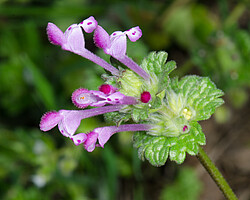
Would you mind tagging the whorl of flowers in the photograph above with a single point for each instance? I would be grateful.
(165, 111)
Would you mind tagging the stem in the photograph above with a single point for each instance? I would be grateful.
(216, 175)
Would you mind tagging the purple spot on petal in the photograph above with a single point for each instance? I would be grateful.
(69, 28)
(89, 23)
(117, 99)
(134, 33)
(61, 131)
(78, 141)
(114, 34)
(109, 99)
(81, 22)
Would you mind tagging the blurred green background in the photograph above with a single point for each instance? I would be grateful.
(208, 38)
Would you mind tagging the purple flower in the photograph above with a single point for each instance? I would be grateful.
(69, 120)
(73, 40)
(145, 97)
(116, 46)
(107, 89)
(83, 98)
(103, 134)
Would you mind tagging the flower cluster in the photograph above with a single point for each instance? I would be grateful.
(115, 45)
(165, 110)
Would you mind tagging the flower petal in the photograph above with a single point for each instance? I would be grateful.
(55, 35)
(83, 98)
(79, 138)
(49, 120)
(72, 118)
(70, 122)
(134, 33)
(115, 98)
(104, 134)
(89, 25)
(118, 46)
(90, 142)
(75, 39)
(101, 38)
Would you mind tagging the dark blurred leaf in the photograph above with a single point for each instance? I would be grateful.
(42, 86)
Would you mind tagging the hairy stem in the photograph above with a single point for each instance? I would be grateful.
(216, 175)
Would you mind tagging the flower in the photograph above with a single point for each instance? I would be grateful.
(103, 134)
(73, 40)
(145, 97)
(116, 46)
(69, 120)
(107, 89)
(83, 98)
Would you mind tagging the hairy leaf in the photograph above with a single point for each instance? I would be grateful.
(201, 95)
(156, 149)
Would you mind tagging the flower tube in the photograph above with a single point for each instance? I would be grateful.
(103, 134)
(73, 40)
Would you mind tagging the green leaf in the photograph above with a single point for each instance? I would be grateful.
(201, 95)
(196, 133)
(130, 84)
(177, 154)
(155, 63)
(41, 84)
(156, 103)
(163, 77)
(139, 114)
(169, 67)
(156, 149)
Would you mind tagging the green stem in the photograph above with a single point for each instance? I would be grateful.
(216, 175)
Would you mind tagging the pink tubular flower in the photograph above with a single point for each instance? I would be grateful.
(69, 120)
(103, 134)
(83, 98)
(116, 46)
(73, 40)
